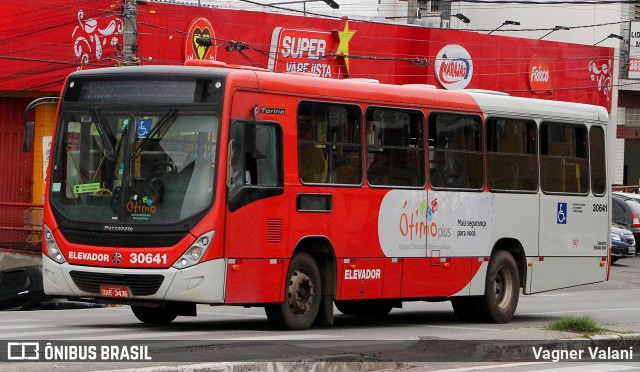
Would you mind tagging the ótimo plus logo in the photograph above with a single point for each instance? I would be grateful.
(454, 67)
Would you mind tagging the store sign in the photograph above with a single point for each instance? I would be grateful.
(303, 51)
(94, 38)
(634, 50)
(200, 41)
(454, 67)
(540, 78)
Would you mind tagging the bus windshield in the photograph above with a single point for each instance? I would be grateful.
(151, 167)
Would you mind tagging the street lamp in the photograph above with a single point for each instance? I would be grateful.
(461, 17)
(611, 36)
(556, 28)
(515, 23)
(331, 3)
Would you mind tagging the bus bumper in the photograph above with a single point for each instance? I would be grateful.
(203, 283)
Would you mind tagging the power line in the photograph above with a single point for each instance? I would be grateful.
(548, 2)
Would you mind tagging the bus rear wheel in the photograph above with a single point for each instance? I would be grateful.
(302, 296)
(155, 315)
(502, 289)
(371, 308)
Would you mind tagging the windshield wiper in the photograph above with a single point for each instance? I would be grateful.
(158, 131)
(106, 137)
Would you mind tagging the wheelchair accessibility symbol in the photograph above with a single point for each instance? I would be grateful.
(143, 127)
(562, 214)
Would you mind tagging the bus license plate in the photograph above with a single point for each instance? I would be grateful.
(114, 292)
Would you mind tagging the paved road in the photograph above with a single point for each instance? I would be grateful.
(420, 336)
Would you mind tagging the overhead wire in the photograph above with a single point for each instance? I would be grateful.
(264, 49)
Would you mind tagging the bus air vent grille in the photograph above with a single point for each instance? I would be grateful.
(274, 230)
(122, 240)
(139, 284)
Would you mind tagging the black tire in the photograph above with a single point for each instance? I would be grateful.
(371, 308)
(502, 289)
(155, 315)
(303, 293)
(465, 308)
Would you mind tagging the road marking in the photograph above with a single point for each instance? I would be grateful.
(599, 367)
(39, 320)
(493, 366)
(338, 344)
(173, 335)
(37, 333)
(583, 311)
(582, 367)
(234, 315)
(288, 337)
(550, 295)
(27, 326)
(462, 328)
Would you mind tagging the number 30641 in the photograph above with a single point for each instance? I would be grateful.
(148, 258)
(599, 207)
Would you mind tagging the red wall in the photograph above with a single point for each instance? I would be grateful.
(43, 43)
(499, 62)
(40, 47)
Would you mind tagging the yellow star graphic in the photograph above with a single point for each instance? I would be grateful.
(343, 48)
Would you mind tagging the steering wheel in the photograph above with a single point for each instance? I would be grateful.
(103, 192)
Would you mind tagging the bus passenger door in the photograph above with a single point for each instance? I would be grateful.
(255, 232)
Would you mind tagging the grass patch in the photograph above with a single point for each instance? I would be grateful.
(583, 324)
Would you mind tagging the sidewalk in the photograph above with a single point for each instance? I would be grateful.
(10, 258)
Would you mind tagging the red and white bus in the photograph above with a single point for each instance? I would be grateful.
(184, 185)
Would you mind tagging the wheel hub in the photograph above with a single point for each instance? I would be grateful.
(300, 292)
(501, 288)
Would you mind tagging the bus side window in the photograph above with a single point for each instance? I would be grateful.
(455, 141)
(564, 158)
(329, 143)
(597, 156)
(512, 155)
(254, 166)
(314, 157)
(395, 147)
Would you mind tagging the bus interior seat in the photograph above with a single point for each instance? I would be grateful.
(350, 172)
(313, 164)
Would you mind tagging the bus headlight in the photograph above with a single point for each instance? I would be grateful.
(53, 251)
(194, 254)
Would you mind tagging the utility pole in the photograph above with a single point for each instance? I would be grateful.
(412, 11)
(130, 34)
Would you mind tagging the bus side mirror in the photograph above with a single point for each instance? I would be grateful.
(30, 126)
(28, 136)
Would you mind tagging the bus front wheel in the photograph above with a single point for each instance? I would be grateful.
(302, 295)
(502, 289)
(155, 315)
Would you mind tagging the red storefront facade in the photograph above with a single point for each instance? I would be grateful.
(42, 46)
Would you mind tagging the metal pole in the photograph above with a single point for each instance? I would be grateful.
(130, 34)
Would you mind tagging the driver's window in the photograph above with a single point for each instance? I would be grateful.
(254, 156)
